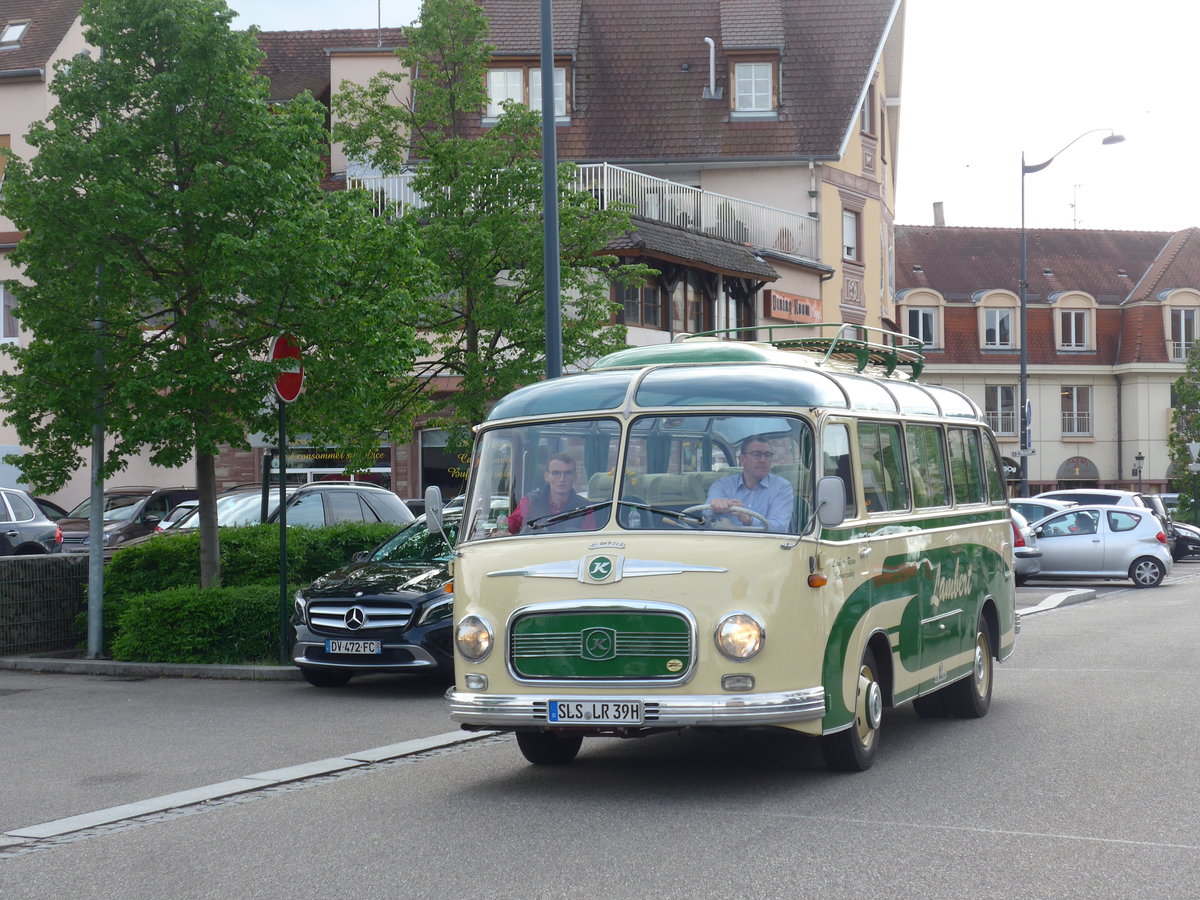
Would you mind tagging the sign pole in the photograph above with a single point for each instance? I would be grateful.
(283, 579)
(288, 385)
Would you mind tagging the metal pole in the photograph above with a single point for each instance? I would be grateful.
(95, 601)
(1024, 326)
(550, 201)
(283, 578)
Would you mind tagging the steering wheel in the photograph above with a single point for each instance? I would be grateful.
(762, 523)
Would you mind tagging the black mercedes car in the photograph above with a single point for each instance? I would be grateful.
(386, 612)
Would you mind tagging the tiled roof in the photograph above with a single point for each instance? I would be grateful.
(747, 24)
(298, 61)
(49, 21)
(1178, 266)
(695, 249)
(516, 26)
(959, 261)
(642, 67)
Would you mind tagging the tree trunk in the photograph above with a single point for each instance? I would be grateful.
(210, 550)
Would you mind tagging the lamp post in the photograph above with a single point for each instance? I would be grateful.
(1111, 138)
(1137, 468)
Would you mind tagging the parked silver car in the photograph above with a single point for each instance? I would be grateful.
(1034, 508)
(1104, 542)
(1027, 555)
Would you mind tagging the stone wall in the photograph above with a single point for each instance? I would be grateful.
(40, 598)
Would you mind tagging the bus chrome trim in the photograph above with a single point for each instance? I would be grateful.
(623, 568)
(599, 605)
(661, 711)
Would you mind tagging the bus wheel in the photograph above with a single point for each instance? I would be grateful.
(969, 698)
(546, 748)
(853, 749)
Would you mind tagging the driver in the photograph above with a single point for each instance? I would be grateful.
(558, 495)
(755, 488)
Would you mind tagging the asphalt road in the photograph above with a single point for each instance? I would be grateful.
(1081, 782)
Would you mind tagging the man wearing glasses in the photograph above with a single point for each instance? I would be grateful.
(755, 488)
(557, 496)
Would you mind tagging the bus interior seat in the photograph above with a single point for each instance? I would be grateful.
(600, 487)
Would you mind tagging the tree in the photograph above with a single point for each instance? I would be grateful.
(481, 223)
(175, 223)
(1185, 421)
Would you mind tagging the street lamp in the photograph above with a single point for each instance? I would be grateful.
(1111, 138)
(1137, 468)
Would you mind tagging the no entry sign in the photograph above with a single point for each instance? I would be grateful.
(290, 382)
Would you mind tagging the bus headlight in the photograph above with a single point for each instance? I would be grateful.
(740, 636)
(473, 637)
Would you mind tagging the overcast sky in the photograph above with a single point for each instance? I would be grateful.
(984, 82)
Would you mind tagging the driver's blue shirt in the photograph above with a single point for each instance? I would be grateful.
(770, 498)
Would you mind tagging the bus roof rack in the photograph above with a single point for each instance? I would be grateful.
(857, 345)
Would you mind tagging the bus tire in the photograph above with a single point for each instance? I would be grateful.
(548, 748)
(970, 697)
(853, 749)
(1146, 572)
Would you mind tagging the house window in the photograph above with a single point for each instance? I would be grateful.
(851, 230)
(1000, 407)
(922, 325)
(1074, 329)
(753, 87)
(560, 91)
(1076, 410)
(12, 33)
(523, 84)
(1183, 333)
(997, 328)
(866, 119)
(641, 305)
(9, 330)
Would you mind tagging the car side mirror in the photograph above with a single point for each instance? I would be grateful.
(152, 519)
(360, 556)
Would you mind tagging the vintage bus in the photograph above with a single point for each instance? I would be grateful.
(791, 532)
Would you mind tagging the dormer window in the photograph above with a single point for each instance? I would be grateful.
(12, 34)
(521, 82)
(755, 93)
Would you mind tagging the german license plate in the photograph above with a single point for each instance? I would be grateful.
(595, 712)
(354, 646)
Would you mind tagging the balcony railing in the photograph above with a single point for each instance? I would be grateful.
(1180, 350)
(1076, 423)
(656, 199)
(1002, 422)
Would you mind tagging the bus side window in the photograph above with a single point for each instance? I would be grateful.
(927, 465)
(994, 469)
(836, 454)
(885, 486)
(965, 465)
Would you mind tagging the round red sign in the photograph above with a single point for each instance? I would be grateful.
(290, 382)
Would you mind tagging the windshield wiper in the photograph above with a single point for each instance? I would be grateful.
(546, 521)
(676, 514)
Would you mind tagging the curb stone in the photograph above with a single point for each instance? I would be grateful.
(112, 667)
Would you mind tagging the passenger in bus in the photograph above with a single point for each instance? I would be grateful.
(558, 495)
(756, 488)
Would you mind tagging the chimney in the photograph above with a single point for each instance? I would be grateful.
(939, 218)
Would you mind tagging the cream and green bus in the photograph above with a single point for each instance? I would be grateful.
(791, 533)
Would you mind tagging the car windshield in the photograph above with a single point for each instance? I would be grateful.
(117, 507)
(417, 543)
(242, 508)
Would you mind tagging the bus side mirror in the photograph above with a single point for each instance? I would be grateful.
(433, 507)
(831, 501)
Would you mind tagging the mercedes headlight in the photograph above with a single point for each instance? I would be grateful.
(739, 636)
(473, 637)
(300, 605)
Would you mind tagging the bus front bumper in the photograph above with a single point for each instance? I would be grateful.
(506, 711)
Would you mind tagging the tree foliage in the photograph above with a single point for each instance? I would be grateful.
(1185, 429)
(175, 223)
(481, 222)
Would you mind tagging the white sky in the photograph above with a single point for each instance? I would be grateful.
(984, 82)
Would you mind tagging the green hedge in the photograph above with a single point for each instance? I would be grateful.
(189, 625)
(249, 559)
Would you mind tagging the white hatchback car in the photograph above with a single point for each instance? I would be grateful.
(1104, 542)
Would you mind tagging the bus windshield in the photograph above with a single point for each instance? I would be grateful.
(692, 471)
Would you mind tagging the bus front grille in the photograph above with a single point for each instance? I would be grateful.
(602, 646)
